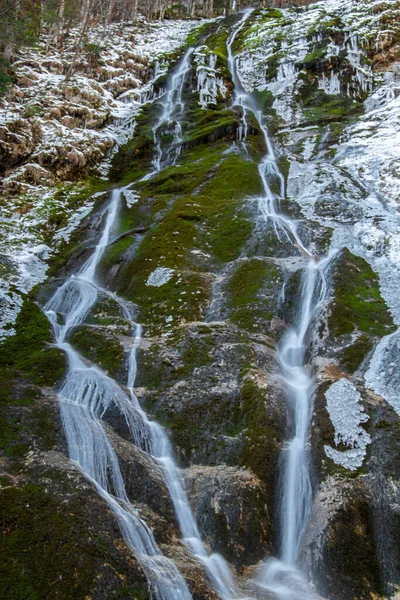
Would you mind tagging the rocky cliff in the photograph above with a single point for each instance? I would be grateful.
(216, 284)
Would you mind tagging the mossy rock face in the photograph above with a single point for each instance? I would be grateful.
(29, 353)
(265, 418)
(357, 311)
(253, 291)
(103, 347)
(209, 386)
(29, 363)
(198, 220)
(133, 159)
(339, 547)
(63, 543)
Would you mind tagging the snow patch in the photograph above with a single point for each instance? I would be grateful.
(131, 197)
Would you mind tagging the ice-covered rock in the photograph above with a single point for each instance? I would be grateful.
(210, 83)
(160, 276)
(346, 412)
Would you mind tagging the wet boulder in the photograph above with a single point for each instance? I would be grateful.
(230, 505)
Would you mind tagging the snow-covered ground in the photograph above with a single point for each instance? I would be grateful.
(62, 128)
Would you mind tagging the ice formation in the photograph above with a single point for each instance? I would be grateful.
(346, 412)
(383, 375)
(160, 276)
(210, 83)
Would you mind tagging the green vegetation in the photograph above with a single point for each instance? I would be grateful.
(101, 347)
(28, 361)
(264, 433)
(133, 159)
(193, 206)
(358, 303)
(357, 307)
(353, 355)
(252, 293)
(321, 107)
(28, 354)
(49, 550)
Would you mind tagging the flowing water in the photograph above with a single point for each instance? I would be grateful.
(282, 576)
(87, 392)
(84, 396)
(168, 124)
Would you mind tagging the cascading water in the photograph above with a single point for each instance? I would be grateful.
(87, 392)
(268, 168)
(84, 397)
(282, 576)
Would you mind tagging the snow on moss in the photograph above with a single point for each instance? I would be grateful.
(346, 412)
(64, 128)
(277, 48)
(160, 276)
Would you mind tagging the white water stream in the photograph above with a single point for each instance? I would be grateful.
(87, 392)
(283, 576)
(84, 396)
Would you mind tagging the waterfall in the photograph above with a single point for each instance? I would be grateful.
(87, 392)
(84, 397)
(283, 576)
(268, 167)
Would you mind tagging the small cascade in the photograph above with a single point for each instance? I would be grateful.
(282, 576)
(268, 168)
(88, 392)
(158, 446)
(240, 95)
(84, 397)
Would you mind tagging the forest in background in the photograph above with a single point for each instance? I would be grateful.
(22, 22)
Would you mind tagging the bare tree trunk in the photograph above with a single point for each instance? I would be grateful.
(110, 11)
(133, 12)
(87, 7)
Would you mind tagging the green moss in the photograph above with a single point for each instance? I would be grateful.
(207, 125)
(73, 196)
(133, 159)
(102, 348)
(27, 353)
(319, 106)
(358, 303)
(203, 210)
(251, 293)
(352, 356)
(315, 56)
(48, 550)
(263, 435)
